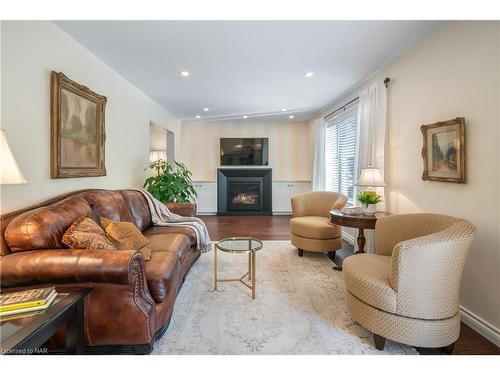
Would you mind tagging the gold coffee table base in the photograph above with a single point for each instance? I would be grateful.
(239, 245)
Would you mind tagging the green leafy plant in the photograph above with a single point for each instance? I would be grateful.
(172, 182)
(369, 197)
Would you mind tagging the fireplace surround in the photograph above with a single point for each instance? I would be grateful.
(244, 191)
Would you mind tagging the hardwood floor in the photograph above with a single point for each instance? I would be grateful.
(276, 228)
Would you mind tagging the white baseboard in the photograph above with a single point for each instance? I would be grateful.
(347, 237)
(481, 326)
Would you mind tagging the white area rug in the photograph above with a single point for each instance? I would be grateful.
(299, 309)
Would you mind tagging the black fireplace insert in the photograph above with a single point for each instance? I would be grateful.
(244, 191)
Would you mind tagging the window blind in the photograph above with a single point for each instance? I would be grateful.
(341, 152)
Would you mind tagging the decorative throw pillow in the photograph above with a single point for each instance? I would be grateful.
(126, 236)
(85, 233)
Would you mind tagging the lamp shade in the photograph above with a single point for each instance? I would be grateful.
(370, 177)
(155, 155)
(10, 173)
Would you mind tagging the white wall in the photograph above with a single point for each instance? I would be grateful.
(455, 72)
(30, 51)
(290, 152)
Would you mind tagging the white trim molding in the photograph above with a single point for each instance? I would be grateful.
(481, 326)
(347, 237)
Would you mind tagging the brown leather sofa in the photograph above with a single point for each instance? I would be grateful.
(131, 300)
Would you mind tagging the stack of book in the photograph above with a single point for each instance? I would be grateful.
(26, 301)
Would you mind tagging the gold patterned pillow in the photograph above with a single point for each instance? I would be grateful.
(85, 233)
(126, 236)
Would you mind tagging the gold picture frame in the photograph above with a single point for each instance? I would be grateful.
(443, 151)
(77, 129)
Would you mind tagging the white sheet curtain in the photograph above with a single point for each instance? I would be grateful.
(372, 120)
(319, 156)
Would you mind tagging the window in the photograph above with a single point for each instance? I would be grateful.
(341, 153)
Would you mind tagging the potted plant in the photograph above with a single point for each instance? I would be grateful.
(369, 200)
(172, 185)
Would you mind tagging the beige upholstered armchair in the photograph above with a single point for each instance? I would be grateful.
(408, 291)
(310, 226)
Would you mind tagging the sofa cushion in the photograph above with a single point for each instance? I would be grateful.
(139, 209)
(85, 233)
(43, 228)
(317, 227)
(174, 243)
(162, 273)
(367, 276)
(172, 230)
(126, 236)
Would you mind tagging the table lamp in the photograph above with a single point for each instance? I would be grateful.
(156, 155)
(370, 178)
(10, 173)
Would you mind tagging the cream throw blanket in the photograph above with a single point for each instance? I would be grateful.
(163, 217)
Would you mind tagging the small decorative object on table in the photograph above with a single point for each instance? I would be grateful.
(355, 210)
(369, 199)
(26, 301)
(172, 185)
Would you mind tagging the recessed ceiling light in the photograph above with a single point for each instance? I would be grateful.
(308, 74)
(206, 109)
(291, 116)
(198, 116)
(245, 116)
(184, 73)
(283, 109)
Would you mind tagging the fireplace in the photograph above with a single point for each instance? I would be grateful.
(244, 191)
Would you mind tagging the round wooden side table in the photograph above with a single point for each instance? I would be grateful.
(358, 221)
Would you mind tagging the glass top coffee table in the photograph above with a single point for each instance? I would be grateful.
(239, 245)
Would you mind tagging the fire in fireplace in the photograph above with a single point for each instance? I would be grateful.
(244, 195)
(245, 198)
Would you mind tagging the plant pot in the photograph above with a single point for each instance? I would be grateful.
(369, 209)
(183, 209)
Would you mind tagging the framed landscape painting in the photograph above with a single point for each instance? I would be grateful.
(77, 129)
(444, 151)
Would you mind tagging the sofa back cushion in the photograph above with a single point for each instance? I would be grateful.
(43, 227)
(139, 209)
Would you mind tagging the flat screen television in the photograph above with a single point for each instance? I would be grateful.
(244, 151)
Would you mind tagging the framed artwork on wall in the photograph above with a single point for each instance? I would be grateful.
(443, 151)
(77, 129)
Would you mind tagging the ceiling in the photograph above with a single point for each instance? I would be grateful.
(251, 68)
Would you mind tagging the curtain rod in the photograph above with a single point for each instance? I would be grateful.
(340, 108)
(386, 82)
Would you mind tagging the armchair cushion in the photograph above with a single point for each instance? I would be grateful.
(316, 227)
(367, 276)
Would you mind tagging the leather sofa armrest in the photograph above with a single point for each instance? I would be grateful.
(70, 266)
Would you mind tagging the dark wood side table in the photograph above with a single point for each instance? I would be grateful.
(360, 222)
(24, 335)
